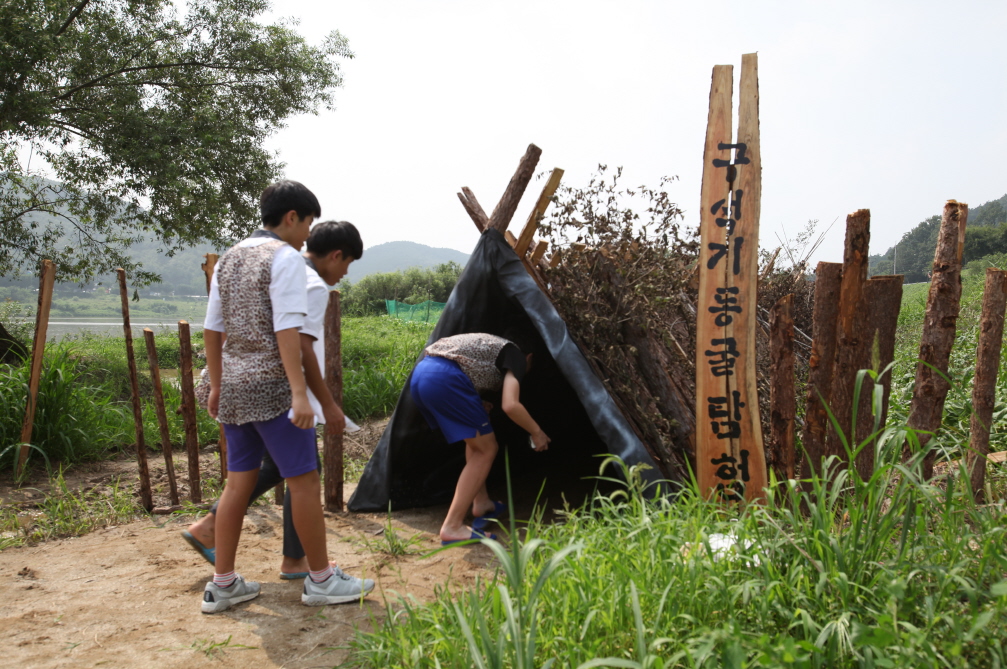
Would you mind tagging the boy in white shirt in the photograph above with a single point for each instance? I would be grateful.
(259, 391)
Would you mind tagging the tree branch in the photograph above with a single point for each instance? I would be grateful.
(159, 66)
(73, 15)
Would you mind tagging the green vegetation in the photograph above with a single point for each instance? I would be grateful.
(378, 355)
(66, 513)
(986, 234)
(412, 286)
(890, 572)
(157, 130)
(99, 304)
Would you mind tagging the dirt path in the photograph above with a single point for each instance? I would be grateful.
(130, 595)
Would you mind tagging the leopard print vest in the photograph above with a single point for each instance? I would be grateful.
(476, 353)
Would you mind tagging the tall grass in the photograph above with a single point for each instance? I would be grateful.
(378, 354)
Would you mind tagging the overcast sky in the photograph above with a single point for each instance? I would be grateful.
(894, 106)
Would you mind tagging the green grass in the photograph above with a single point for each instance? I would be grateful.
(109, 305)
(890, 572)
(67, 513)
(378, 354)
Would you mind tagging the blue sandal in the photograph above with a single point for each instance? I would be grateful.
(475, 536)
(208, 554)
(480, 522)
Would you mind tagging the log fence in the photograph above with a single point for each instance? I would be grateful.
(162, 414)
(47, 276)
(146, 497)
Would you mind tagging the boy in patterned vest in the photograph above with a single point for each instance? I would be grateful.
(258, 391)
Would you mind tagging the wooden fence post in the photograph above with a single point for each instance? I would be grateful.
(852, 349)
(884, 300)
(141, 449)
(208, 266)
(991, 332)
(333, 440)
(45, 282)
(943, 304)
(828, 282)
(162, 415)
(781, 383)
(189, 411)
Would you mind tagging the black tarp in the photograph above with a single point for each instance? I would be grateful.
(413, 466)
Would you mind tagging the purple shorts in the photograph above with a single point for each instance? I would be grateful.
(293, 449)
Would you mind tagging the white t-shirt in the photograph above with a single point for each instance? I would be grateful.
(314, 326)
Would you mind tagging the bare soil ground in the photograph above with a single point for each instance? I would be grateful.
(129, 595)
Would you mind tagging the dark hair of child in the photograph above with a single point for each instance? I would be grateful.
(329, 236)
(284, 196)
(524, 337)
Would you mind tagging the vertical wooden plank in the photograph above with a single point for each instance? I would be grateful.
(540, 249)
(743, 273)
(333, 440)
(828, 281)
(162, 415)
(208, 265)
(189, 410)
(713, 452)
(141, 449)
(991, 331)
(939, 325)
(781, 384)
(852, 338)
(47, 276)
(884, 300)
(504, 211)
(528, 231)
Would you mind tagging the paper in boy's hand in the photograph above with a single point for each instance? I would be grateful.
(351, 427)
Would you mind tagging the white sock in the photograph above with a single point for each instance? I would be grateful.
(321, 576)
(224, 580)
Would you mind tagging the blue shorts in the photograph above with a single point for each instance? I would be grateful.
(448, 400)
(293, 449)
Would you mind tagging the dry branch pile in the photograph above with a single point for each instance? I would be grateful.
(625, 286)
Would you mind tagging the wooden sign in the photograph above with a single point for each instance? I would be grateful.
(730, 461)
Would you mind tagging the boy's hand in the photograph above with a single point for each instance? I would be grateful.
(213, 401)
(540, 441)
(304, 415)
(488, 406)
(335, 418)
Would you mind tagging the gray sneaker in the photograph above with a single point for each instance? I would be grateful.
(339, 588)
(217, 599)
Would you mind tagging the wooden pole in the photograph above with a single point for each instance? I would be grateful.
(781, 383)
(504, 211)
(828, 282)
(991, 330)
(162, 415)
(852, 345)
(189, 410)
(45, 282)
(884, 300)
(943, 303)
(743, 272)
(141, 449)
(209, 265)
(538, 211)
(540, 249)
(333, 441)
(474, 210)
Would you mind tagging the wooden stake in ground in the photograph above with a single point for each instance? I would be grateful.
(189, 410)
(45, 282)
(991, 330)
(943, 303)
(852, 340)
(141, 449)
(884, 300)
(162, 415)
(828, 282)
(333, 441)
(781, 386)
(209, 265)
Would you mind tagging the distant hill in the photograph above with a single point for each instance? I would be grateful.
(395, 256)
(985, 234)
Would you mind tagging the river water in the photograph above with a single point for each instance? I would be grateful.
(63, 326)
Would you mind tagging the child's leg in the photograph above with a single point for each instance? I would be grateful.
(479, 455)
(309, 522)
(231, 515)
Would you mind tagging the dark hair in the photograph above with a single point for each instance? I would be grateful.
(330, 236)
(284, 196)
